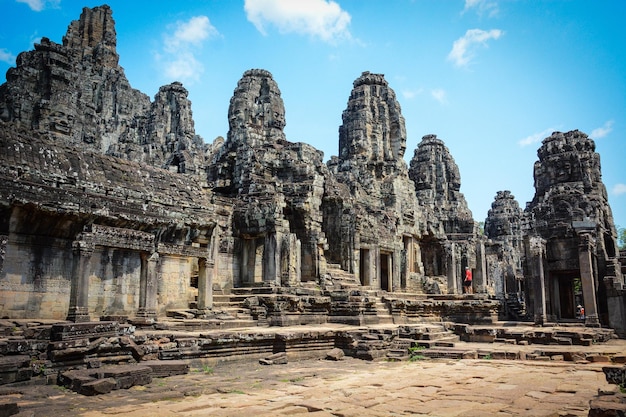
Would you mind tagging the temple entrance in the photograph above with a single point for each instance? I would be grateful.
(432, 257)
(567, 287)
(385, 271)
(364, 267)
(252, 261)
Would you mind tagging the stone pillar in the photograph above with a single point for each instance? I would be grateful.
(453, 287)
(205, 285)
(148, 286)
(536, 253)
(396, 264)
(4, 242)
(79, 291)
(479, 279)
(586, 248)
(271, 257)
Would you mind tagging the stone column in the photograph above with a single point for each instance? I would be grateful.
(586, 248)
(79, 291)
(148, 286)
(452, 284)
(205, 285)
(271, 260)
(479, 280)
(536, 251)
(4, 241)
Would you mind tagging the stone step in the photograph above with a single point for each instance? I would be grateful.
(438, 335)
(230, 298)
(449, 353)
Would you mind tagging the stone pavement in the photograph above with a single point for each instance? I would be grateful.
(350, 387)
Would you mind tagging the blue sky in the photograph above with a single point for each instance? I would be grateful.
(491, 78)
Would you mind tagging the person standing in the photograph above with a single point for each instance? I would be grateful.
(467, 283)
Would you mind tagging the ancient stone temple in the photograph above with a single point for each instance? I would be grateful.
(570, 246)
(111, 207)
(276, 187)
(437, 187)
(378, 238)
(505, 227)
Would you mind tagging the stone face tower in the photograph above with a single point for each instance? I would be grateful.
(77, 94)
(278, 186)
(256, 119)
(437, 185)
(504, 227)
(573, 229)
(75, 91)
(372, 141)
(256, 114)
(373, 127)
(382, 225)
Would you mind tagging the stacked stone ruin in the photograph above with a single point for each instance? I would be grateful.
(113, 208)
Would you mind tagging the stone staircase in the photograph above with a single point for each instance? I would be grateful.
(342, 280)
(382, 312)
(514, 307)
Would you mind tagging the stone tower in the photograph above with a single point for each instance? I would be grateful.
(572, 233)
(278, 184)
(380, 224)
(372, 141)
(437, 186)
(504, 227)
(76, 93)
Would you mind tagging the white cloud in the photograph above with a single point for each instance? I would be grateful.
(619, 189)
(193, 32)
(39, 5)
(323, 19)
(536, 137)
(439, 95)
(463, 48)
(411, 94)
(6, 56)
(602, 131)
(489, 7)
(180, 48)
(184, 66)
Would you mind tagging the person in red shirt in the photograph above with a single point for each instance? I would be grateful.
(467, 283)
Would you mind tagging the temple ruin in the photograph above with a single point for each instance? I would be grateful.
(113, 210)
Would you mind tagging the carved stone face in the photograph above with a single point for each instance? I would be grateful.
(257, 107)
(61, 122)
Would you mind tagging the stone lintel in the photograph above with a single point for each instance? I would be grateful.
(584, 225)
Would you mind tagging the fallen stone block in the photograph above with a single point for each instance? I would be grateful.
(15, 368)
(279, 358)
(98, 386)
(75, 379)
(126, 376)
(94, 329)
(162, 369)
(335, 354)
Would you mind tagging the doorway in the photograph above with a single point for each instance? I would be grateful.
(364, 267)
(385, 271)
(568, 288)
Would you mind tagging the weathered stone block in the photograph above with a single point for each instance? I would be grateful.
(71, 331)
(98, 386)
(335, 354)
